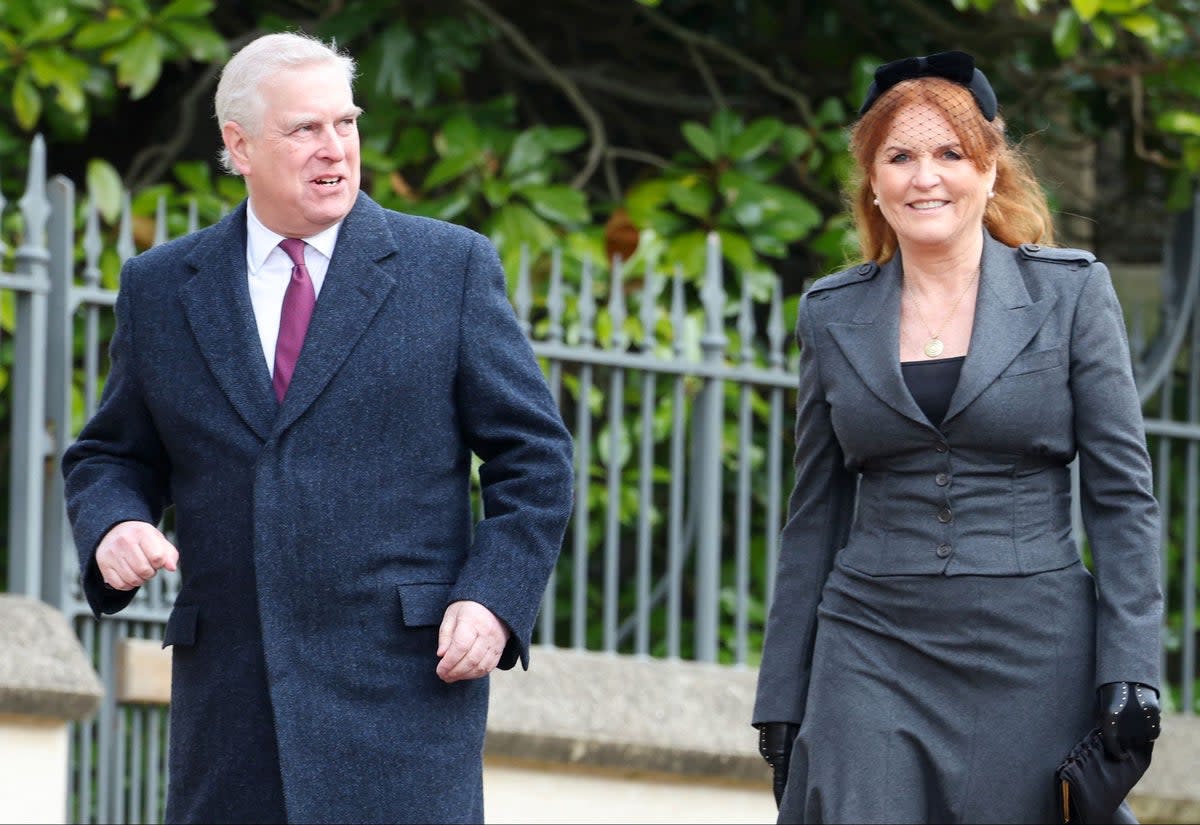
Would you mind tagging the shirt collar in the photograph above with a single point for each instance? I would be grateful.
(261, 242)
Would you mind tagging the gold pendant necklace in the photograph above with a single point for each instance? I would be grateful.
(934, 345)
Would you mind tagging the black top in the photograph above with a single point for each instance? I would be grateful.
(932, 383)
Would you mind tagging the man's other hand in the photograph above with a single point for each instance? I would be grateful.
(470, 641)
(132, 552)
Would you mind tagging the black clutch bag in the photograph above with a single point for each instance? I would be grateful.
(1092, 786)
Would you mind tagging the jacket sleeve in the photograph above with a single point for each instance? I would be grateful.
(117, 469)
(819, 514)
(1120, 513)
(513, 425)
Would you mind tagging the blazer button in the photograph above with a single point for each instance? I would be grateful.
(864, 270)
(943, 550)
(944, 515)
(941, 447)
(941, 479)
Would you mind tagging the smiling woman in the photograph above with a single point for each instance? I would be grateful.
(935, 645)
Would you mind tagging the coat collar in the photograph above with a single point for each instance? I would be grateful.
(216, 301)
(1006, 319)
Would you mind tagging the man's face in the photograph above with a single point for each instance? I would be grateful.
(302, 165)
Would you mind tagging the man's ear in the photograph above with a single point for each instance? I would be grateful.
(237, 144)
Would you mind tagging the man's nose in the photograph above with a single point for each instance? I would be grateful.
(332, 146)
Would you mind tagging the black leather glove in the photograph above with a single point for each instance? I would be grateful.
(1129, 716)
(775, 741)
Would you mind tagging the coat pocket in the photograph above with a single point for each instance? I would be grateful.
(423, 604)
(1038, 361)
(181, 626)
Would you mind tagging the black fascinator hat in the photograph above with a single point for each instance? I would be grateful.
(958, 67)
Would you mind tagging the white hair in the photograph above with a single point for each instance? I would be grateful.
(238, 98)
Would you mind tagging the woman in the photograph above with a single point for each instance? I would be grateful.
(936, 645)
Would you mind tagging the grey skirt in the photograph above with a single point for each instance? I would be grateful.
(944, 698)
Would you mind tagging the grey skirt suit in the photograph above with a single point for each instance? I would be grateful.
(934, 630)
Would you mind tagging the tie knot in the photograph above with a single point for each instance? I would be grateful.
(294, 247)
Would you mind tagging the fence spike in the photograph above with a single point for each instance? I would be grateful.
(523, 299)
(193, 219)
(745, 324)
(649, 310)
(617, 313)
(160, 221)
(126, 248)
(713, 297)
(677, 312)
(776, 331)
(587, 306)
(93, 245)
(554, 301)
(35, 206)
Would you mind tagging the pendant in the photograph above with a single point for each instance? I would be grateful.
(933, 347)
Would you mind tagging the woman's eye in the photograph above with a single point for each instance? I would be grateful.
(950, 154)
(899, 157)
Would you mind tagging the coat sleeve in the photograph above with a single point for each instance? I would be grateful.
(1120, 513)
(513, 425)
(117, 469)
(819, 513)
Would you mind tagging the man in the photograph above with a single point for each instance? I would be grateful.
(311, 415)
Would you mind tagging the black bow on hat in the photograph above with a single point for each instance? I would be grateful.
(958, 67)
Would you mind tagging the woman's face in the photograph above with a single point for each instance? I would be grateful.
(931, 195)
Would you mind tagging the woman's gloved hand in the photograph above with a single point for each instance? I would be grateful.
(775, 741)
(1129, 716)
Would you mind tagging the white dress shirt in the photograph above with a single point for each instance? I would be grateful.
(270, 269)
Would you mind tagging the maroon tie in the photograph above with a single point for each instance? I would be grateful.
(298, 303)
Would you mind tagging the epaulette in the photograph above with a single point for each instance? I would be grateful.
(853, 275)
(1057, 254)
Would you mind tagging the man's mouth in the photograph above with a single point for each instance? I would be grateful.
(332, 181)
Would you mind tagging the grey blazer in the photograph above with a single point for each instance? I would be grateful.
(1047, 379)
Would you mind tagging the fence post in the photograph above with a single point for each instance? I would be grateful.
(710, 416)
(29, 445)
(56, 569)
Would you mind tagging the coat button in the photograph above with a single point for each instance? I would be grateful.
(941, 479)
(942, 447)
(864, 270)
(943, 550)
(1033, 247)
(945, 516)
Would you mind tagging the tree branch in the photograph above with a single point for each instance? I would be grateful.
(707, 75)
(594, 123)
(764, 75)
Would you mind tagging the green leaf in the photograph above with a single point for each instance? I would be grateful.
(1104, 33)
(701, 139)
(186, 8)
(104, 33)
(755, 139)
(1143, 25)
(497, 191)
(528, 153)
(689, 251)
(26, 101)
(560, 204)
(514, 224)
(1066, 34)
(561, 139)
(458, 136)
(1180, 122)
(725, 126)
(795, 142)
(194, 175)
(445, 208)
(139, 63)
(53, 24)
(201, 43)
(449, 168)
(737, 250)
(104, 188)
(1086, 9)
(692, 195)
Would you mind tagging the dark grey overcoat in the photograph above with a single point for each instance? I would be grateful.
(933, 629)
(321, 540)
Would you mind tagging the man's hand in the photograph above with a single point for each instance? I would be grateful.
(470, 641)
(132, 552)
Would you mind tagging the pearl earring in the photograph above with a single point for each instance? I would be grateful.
(877, 201)
(991, 194)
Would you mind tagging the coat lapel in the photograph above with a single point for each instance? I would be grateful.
(1006, 319)
(355, 287)
(871, 342)
(216, 302)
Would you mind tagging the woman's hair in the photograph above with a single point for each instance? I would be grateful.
(238, 97)
(1017, 214)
